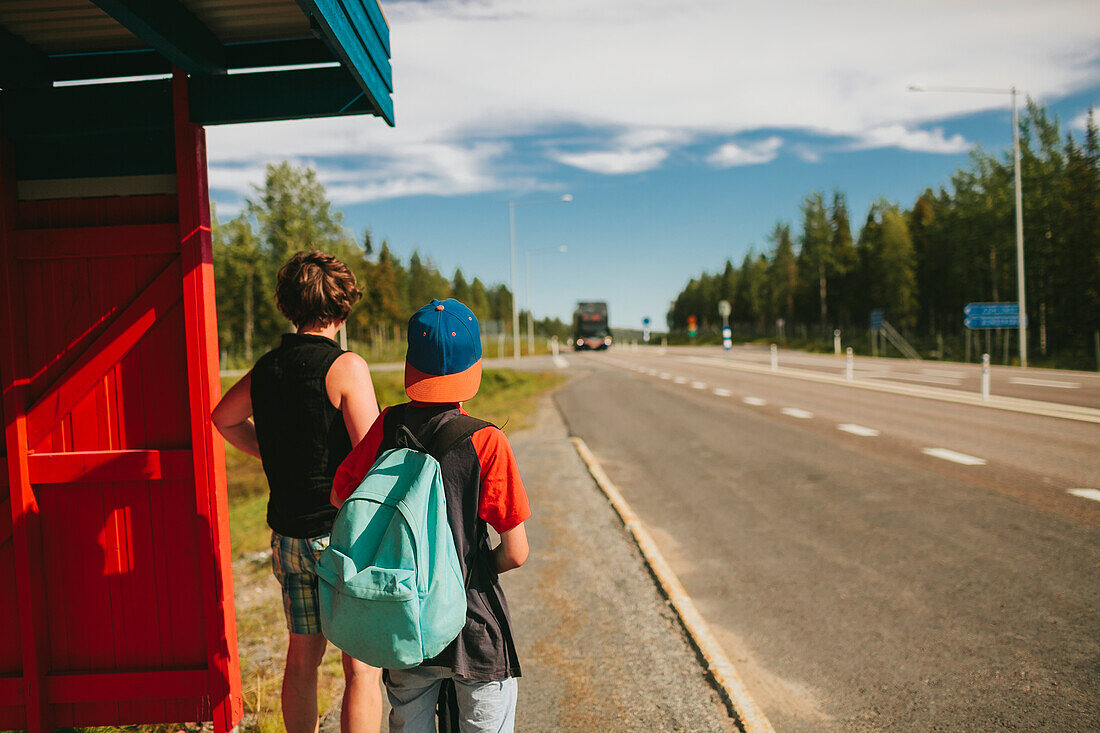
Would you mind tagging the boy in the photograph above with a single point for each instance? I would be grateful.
(312, 402)
(483, 488)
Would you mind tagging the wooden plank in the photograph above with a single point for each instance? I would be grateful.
(105, 241)
(103, 353)
(110, 465)
(11, 691)
(153, 685)
(97, 211)
(204, 386)
(26, 530)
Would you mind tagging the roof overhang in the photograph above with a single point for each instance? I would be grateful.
(248, 60)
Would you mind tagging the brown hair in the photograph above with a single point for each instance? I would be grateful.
(315, 288)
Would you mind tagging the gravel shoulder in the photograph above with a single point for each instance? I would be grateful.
(600, 647)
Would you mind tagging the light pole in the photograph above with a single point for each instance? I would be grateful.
(1020, 289)
(512, 237)
(527, 291)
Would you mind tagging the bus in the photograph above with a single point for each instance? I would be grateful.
(590, 329)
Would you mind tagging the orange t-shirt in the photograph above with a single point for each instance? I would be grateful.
(502, 500)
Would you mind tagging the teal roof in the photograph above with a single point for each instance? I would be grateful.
(248, 60)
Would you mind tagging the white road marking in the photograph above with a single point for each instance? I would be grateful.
(954, 457)
(560, 362)
(651, 372)
(723, 392)
(680, 380)
(754, 401)
(913, 378)
(795, 412)
(1093, 494)
(858, 430)
(698, 385)
(953, 373)
(666, 375)
(1028, 381)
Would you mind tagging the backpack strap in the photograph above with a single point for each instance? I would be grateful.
(454, 431)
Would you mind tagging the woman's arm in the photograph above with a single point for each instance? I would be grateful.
(351, 390)
(231, 417)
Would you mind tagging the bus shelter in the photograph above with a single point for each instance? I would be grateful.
(116, 597)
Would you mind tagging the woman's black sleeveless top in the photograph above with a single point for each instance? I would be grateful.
(302, 436)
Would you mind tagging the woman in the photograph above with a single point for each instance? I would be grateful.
(300, 410)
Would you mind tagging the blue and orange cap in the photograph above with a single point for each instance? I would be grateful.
(443, 362)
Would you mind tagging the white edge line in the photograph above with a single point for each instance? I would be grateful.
(722, 671)
(1093, 494)
(1012, 404)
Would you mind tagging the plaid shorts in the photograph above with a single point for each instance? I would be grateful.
(294, 562)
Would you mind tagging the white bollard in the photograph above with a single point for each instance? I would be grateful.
(500, 345)
(836, 342)
(849, 365)
(985, 377)
(554, 345)
(775, 358)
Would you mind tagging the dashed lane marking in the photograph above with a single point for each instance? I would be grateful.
(954, 456)
(858, 430)
(680, 380)
(796, 412)
(1029, 382)
(698, 385)
(665, 375)
(1093, 494)
(723, 392)
(754, 401)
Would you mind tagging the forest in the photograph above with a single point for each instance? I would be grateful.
(921, 265)
(290, 212)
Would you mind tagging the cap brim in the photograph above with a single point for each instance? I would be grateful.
(446, 388)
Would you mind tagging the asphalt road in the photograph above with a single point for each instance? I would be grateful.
(1050, 385)
(861, 577)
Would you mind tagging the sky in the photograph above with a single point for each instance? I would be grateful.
(684, 130)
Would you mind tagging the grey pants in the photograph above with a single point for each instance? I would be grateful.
(484, 707)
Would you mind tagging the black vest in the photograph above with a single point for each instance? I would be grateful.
(484, 651)
(302, 437)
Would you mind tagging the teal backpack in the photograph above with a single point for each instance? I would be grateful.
(391, 587)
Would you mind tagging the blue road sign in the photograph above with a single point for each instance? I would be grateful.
(645, 321)
(991, 315)
(876, 319)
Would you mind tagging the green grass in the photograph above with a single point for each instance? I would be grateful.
(507, 399)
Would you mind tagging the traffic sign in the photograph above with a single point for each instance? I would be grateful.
(724, 308)
(876, 318)
(692, 330)
(991, 315)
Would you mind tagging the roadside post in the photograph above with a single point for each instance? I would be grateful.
(849, 366)
(645, 329)
(554, 345)
(985, 377)
(724, 310)
(775, 358)
(836, 342)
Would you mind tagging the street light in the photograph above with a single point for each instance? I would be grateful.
(566, 198)
(527, 291)
(1020, 290)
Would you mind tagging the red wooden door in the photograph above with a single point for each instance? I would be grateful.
(114, 532)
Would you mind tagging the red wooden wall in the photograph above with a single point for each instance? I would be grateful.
(116, 603)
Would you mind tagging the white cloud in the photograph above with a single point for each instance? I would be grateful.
(924, 141)
(654, 75)
(1078, 123)
(731, 154)
(614, 161)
